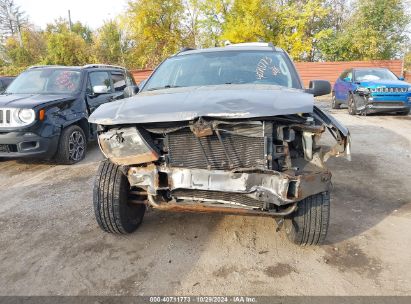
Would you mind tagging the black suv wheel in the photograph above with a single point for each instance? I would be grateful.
(309, 224)
(72, 145)
(117, 210)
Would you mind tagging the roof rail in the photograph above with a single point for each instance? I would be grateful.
(98, 65)
(43, 66)
(185, 49)
(270, 44)
(259, 43)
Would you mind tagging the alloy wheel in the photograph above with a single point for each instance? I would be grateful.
(76, 146)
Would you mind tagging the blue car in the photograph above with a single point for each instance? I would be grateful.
(371, 90)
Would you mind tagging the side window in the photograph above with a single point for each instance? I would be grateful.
(99, 79)
(2, 87)
(349, 75)
(119, 81)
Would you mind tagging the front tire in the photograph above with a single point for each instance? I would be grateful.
(352, 106)
(309, 224)
(72, 146)
(334, 103)
(111, 199)
(405, 113)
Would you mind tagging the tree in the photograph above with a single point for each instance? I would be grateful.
(32, 51)
(213, 15)
(246, 21)
(84, 31)
(65, 46)
(12, 18)
(155, 27)
(109, 44)
(301, 25)
(375, 30)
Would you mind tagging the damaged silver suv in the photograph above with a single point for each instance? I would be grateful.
(228, 130)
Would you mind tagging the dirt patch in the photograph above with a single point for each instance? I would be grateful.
(131, 284)
(279, 270)
(225, 271)
(349, 257)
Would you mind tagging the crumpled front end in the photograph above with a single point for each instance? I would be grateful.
(260, 166)
(377, 99)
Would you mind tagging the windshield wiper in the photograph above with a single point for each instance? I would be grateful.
(164, 87)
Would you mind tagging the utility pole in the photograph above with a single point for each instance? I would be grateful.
(69, 18)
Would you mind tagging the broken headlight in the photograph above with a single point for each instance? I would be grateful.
(128, 146)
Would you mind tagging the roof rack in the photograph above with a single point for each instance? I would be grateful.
(259, 43)
(185, 49)
(102, 66)
(43, 66)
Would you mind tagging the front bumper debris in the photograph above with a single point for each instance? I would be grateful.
(272, 188)
(368, 103)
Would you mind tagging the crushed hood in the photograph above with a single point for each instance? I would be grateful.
(29, 100)
(188, 103)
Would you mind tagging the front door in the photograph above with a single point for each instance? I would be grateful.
(99, 89)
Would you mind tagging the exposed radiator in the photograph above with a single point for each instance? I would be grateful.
(239, 151)
(219, 197)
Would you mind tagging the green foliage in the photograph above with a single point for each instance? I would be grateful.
(109, 46)
(376, 30)
(242, 25)
(84, 31)
(156, 30)
(32, 51)
(10, 70)
(67, 48)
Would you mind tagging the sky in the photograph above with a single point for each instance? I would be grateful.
(90, 12)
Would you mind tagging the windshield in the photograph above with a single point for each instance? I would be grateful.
(374, 74)
(45, 81)
(228, 67)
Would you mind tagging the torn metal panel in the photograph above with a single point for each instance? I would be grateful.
(338, 131)
(210, 207)
(270, 187)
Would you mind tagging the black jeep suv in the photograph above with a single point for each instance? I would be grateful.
(44, 112)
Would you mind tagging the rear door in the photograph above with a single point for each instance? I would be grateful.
(99, 78)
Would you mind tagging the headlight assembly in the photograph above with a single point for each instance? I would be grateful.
(128, 146)
(27, 116)
(15, 117)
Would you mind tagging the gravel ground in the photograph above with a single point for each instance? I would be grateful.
(51, 245)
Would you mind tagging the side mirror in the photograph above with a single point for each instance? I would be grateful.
(131, 91)
(347, 79)
(319, 87)
(100, 89)
(401, 78)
